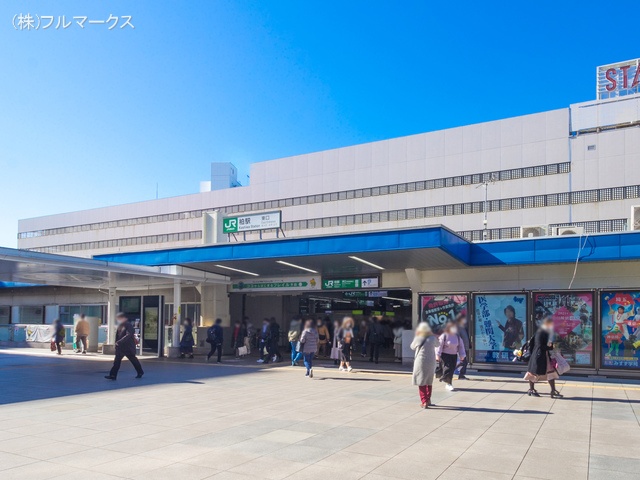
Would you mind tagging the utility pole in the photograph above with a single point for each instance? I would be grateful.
(485, 208)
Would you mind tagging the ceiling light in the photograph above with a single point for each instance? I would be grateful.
(237, 270)
(367, 263)
(295, 266)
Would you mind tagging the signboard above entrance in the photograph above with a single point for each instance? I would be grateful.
(255, 221)
(277, 284)
(351, 283)
(618, 79)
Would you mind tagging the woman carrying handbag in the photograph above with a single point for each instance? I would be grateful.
(541, 367)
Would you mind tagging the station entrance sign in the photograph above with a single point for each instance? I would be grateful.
(255, 221)
(351, 283)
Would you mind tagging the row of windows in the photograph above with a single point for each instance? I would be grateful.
(597, 226)
(122, 242)
(473, 179)
(169, 217)
(536, 201)
(447, 182)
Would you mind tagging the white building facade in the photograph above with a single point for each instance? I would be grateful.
(570, 167)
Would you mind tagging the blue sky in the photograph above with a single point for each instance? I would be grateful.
(95, 117)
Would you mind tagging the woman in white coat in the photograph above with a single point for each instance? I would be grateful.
(424, 366)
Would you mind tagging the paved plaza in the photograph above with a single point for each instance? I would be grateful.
(60, 419)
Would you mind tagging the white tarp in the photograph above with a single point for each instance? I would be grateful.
(39, 333)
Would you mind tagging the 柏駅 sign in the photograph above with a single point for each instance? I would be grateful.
(255, 221)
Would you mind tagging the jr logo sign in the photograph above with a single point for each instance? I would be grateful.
(230, 225)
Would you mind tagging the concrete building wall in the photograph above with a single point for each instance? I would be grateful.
(372, 187)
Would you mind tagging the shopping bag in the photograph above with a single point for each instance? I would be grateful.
(562, 366)
(242, 351)
(335, 353)
(298, 347)
(53, 346)
(439, 369)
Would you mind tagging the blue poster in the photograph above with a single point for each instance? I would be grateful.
(500, 326)
(620, 315)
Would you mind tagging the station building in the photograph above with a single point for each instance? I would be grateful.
(536, 213)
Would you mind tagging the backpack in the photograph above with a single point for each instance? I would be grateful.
(211, 335)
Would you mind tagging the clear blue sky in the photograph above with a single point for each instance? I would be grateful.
(94, 117)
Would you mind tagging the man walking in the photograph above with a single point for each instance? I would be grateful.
(125, 347)
(214, 337)
(82, 334)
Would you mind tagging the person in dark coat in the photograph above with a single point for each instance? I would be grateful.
(375, 338)
(215, 339)
(125, 347)
(274, 348)
(237, 337)
(59, 334)
(186, 344)
(539, 368)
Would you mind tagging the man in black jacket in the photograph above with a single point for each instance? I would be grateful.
(125, 347)
(215, 338)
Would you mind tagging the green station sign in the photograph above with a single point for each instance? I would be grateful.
(350, 283)
(256, 221)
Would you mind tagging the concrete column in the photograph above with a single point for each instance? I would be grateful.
(214, 303)
(112, 310)
(177, 312)
(415, 282)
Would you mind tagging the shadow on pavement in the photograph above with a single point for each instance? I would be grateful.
(25, 377)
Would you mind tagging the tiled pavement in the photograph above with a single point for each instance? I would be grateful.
(60, 419)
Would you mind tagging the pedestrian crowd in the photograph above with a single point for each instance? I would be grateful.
(438, 356)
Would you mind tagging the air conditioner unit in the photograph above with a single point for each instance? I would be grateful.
(569, 231)
(530, 231)
(634, 220)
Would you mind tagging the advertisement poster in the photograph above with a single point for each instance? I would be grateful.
(436, 310)
(620, 315)
(572, 314)
(500, 326)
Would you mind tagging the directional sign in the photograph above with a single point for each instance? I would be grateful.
(255, 221)
(350, 283)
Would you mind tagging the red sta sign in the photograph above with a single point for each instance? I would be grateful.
(618, 79)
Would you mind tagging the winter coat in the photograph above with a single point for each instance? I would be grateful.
(539, 353)
(294, 330)
(125, 339)
(187, 337)
(397, 335)
(309, 340)
(59, 332)
(376, 334)
(424, 364)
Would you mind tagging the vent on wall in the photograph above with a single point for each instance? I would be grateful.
(591, 147)
(634, 221)
(570, 231)
(530, 231)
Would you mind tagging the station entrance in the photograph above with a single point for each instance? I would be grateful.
(392, 307)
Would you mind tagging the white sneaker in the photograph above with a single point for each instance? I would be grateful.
(274, 359)
(341, 369)
(349, 369)
(260, 360)
(449, 387)
(311, 373)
